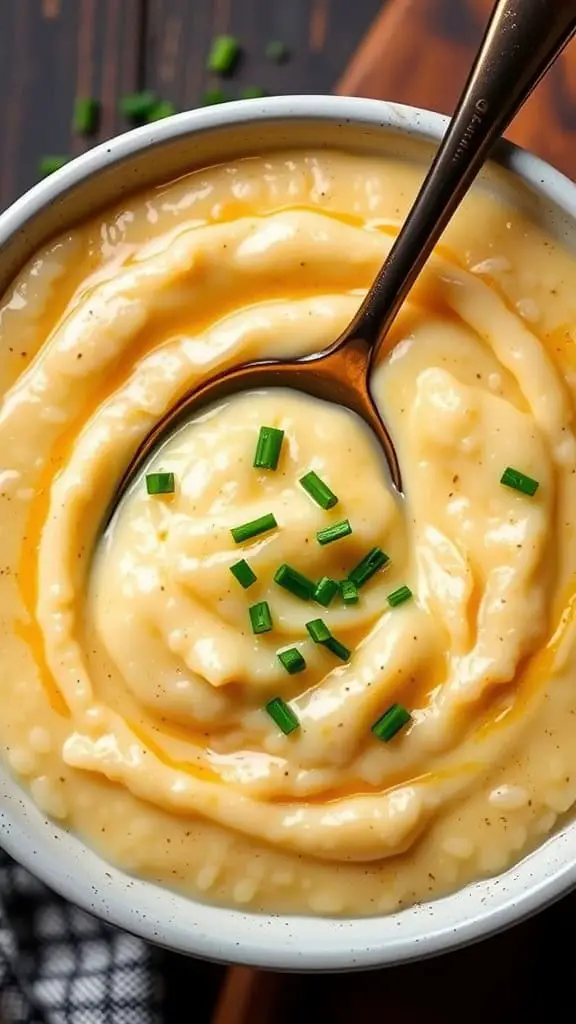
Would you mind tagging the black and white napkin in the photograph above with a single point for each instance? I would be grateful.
(59, 965)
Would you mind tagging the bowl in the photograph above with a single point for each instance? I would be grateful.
(139, 159)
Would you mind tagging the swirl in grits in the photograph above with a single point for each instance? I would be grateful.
(134, 689)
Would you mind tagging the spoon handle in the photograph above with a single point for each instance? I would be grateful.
(521, 42)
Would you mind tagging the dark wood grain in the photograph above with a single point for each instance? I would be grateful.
(50, 52)
(418, 52)
(251, 997)
(53, 50)
(321, 36)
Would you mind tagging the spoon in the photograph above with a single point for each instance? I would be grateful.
(522, 40)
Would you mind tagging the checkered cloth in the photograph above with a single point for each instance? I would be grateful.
(58, 965)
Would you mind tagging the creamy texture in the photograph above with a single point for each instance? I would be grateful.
(133, 687)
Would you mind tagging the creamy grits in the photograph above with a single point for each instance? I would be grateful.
(433, 744)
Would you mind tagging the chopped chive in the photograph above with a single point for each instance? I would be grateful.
(281, 713)
(224, 53)
(320, 634)
(394, 719)
(294, 582)
(138, 106)
(48, 164)
(260, 617)
(160, 110)
(318, 490)
(213, 96)
(86, 115)
(318, 630)
(276, 51)
(370, 564)
(331, 533)
(268, 448)
(292, 660)
(340, 650)
(399, 596)
(253, 528)
(326, 590)
(242, 572)
(160, 483)
(252, 92)
(349, 592)
(519, 481)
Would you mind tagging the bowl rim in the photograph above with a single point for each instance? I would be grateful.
(280, 942)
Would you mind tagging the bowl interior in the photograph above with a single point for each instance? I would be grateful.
(150, 156)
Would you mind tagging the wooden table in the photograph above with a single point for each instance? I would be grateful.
(417, 51)
(53, 50)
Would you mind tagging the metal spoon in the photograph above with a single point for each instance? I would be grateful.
(522, 39)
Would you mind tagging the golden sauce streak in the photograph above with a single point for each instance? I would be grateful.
(197, 771)
(538, 670)
(30, 631)
(360, 788)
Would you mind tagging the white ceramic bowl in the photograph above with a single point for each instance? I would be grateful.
(154, 154)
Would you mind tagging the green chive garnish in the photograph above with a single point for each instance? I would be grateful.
(138, 106)
(281, 713)
(49, 164)
(331, 533)
(260, 617)
(318, 490)
(519, 481)
(320, 634)
(399, 596)
(370, 564)
(292, 660)
(276, 51)
(213, 96)
(318, 631)
(242, 572)
(294, 582)
(160, 483)
(326, 590)
(391, 722)
(162, 109)
(254, 528)
(268, 448)
(252, 92)
(349, 592)
(337, 648)
(224, 53)
(86, 115)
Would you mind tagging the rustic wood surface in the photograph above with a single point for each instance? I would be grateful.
(419, 51)
(416, 52)
(54, 50)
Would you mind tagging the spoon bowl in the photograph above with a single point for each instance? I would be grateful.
(339, 375)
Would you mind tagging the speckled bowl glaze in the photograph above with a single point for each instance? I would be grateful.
(145, 157)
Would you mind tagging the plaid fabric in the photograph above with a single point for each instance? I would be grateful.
(58, 965)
